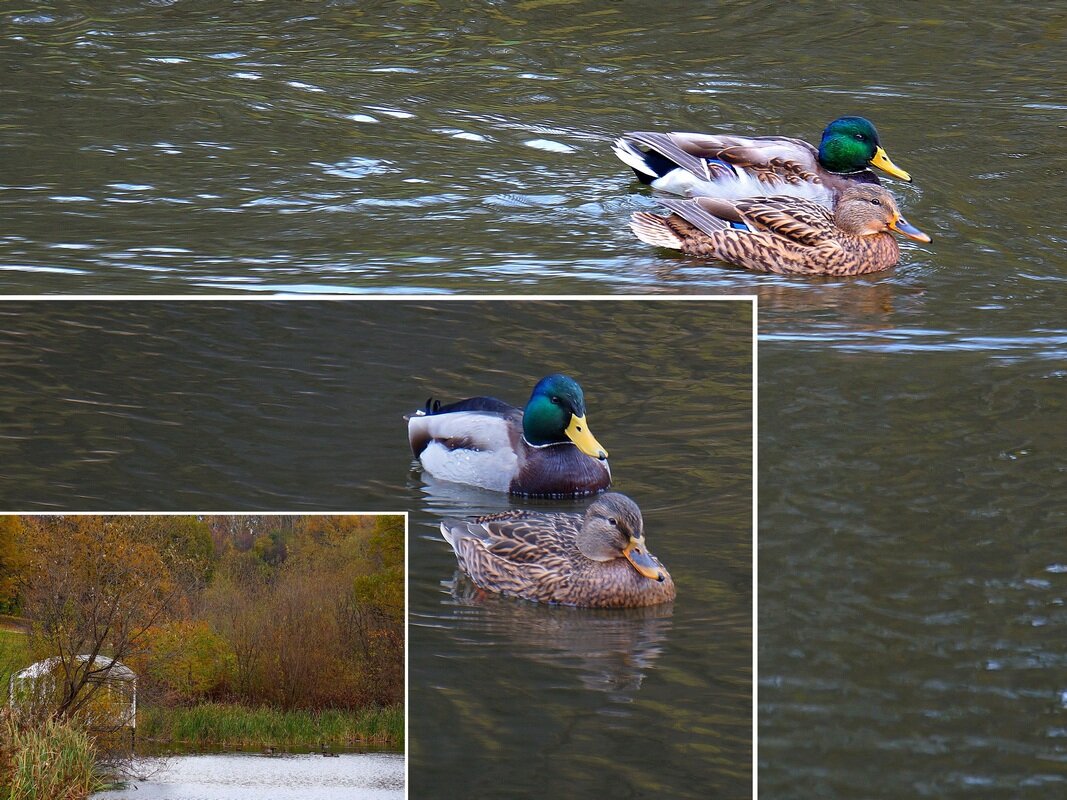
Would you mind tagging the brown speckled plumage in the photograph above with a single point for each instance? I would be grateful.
(536, 556)
(786, 235)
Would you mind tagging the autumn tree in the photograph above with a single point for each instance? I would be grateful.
(322, 623)
(10, 530)
(234, 604)
(188, 662)
(94, 586)
(372, 611)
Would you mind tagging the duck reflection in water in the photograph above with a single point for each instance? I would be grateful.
(608, 650)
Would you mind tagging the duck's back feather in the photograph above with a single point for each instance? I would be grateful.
(723, 165)
(801, 221)
(490, 405)
(464, 424)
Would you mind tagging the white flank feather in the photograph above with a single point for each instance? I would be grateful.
(489, 462)
(685, 184)
(487, 469)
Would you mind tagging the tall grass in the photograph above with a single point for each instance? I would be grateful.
(219, 724)
(45, 761)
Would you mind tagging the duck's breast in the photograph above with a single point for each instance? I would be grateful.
(616, 584)
(870, 253)
(559, 470)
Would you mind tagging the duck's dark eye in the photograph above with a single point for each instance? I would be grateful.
(860, 136)
(876, 201)
(555, 400)
(614, 522)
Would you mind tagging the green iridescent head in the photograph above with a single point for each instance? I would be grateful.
(556, 414)
(850, 144)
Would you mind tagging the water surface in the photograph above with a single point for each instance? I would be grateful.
(912, 576)
(912, 477)
(250, 777)
(454, 145)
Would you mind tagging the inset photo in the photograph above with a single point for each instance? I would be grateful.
(202, 655)
(578, 475)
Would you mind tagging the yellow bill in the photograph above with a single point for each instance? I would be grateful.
(578, 432)
(638, 556)
(881, 160)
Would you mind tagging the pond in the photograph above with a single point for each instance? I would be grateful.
(233, 776)
(454, 146)
(912, 484)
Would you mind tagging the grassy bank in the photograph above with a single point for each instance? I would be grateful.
(49, 761)
(39, 761)
(14, 655)
(217, 724)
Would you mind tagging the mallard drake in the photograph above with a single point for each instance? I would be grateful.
(544, 450)
(595, 560)
(714, 165)
(784, 234)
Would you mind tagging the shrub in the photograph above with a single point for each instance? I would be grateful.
(189, 661)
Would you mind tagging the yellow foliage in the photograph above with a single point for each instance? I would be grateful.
(189, 659)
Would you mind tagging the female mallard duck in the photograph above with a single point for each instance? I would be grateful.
(546, 450)
(712, 165)
(783, 234)
(598, 560)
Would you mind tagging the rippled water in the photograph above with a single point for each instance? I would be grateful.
(912, 578)
(177, 146)
(280, 405)
(249, 777)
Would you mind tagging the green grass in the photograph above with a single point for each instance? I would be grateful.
(13, 642)
(217, 724)
(49, 761)
(14, 655)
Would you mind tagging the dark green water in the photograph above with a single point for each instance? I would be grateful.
(298, 405)
(448, 146)
(912, 473)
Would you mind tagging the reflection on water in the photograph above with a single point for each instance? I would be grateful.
(232, 776)
(607, 650)
(448, 499)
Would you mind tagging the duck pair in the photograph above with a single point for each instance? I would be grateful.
(597, 559)
(772, 203)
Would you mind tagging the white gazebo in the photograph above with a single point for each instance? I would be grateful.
(112, 707)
